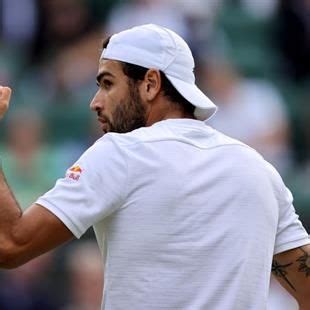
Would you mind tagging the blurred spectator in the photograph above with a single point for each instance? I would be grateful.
(261, 9)
(61, 80)
(137, 12)
(299, 183)
(200, 18)
(31, 167)
(18, 21)
(67, 46)
(101, 9)
(18, 25)
(193, 20)
(293, 38)
(250, 110)
(243, 31)
(29, 286)
(84, 263)
(305, 119)
(61, 22)
(75, 67)
(10, 64)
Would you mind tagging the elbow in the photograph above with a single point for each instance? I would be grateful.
(12, 249)
(9, 258)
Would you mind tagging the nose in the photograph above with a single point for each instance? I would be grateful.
(96, 103)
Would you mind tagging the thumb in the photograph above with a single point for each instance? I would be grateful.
(5, 93)
(5, 96)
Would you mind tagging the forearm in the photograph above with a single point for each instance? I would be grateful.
(292, 270)
(24, 236)
(10, 213)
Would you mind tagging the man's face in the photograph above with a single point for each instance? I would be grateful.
(117, 102)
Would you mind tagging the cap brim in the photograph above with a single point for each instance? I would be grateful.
(205, 108)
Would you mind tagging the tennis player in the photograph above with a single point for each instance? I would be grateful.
(186, 217)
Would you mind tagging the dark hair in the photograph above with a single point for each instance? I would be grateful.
(137, 73)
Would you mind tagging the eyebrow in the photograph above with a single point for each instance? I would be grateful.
(103, 74)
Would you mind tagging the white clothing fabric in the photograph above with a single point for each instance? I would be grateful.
(279, 298)
(186, 217)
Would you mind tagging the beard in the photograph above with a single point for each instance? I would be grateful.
(129, 114)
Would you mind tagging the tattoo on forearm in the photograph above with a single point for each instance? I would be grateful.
(304, 263)
(279, 271)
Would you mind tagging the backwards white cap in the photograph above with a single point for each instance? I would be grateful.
(156, 47)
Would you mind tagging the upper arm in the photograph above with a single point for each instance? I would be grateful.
(36, 232)
(292, 270)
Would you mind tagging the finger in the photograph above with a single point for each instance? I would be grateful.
(5, 94)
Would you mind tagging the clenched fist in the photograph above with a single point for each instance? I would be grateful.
(5, 95)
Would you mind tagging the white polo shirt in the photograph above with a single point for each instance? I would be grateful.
(186, 217)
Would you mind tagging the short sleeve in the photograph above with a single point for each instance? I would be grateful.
(290, 231)
(93, 188)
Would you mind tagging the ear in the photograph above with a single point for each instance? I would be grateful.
(151, 85)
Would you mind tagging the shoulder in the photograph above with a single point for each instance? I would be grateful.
(114, 146)
(241, 159)
(138, 136)
(233, 150)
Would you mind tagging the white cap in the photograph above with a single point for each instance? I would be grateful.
(156, 47)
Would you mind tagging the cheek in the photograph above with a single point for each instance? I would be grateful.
(112, 100)
(115, 98)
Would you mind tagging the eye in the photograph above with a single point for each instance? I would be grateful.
(106, 84)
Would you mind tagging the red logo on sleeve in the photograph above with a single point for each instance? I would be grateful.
(74, 173)
(76, 169)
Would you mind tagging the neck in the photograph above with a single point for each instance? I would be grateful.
(166, 110)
